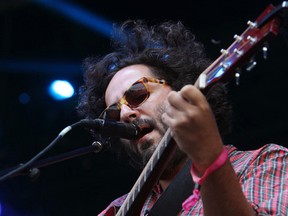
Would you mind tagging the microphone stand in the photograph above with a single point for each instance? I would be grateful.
(33, 171)
(110, 128)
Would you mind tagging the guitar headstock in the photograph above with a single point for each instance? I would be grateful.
(263, 29)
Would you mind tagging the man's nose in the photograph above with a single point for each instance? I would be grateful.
(128, 114)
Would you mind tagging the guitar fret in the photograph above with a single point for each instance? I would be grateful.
(127, 207)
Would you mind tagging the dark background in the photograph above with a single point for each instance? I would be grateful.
(40, 43)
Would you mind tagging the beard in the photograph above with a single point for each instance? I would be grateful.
(140, 153)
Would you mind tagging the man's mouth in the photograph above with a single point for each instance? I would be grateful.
(144, 128)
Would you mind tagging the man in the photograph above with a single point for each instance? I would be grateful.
(149, 81)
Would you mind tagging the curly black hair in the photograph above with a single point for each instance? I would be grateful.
(169, 49)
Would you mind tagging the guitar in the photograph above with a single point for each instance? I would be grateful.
(265, 27)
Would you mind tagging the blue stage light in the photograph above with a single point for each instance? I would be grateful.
(61, 89)
(24, 98)
(80, 15)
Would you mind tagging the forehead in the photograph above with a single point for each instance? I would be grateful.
(123, 79)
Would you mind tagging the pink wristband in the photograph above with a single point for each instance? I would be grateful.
(219, 162)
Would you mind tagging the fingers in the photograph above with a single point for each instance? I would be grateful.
(186, 109)
(192, 94)
(192, 123)
(180, 105)
(187, 96)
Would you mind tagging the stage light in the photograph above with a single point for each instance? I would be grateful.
(24, 98)
(61, 89)
(79, 14)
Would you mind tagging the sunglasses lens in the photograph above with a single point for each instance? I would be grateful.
(112, 113)
(136, 94)
(133, 97)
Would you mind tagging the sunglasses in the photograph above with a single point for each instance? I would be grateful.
(137, 94)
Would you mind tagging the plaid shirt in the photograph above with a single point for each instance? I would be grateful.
(262, 173)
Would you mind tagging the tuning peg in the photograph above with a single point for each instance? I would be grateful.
(265, 51)
(238, 52)
(237, 77)
(251, 65)
(224, 65)
(224, 51)
(251, 39)
(251, 24)
(238, 38)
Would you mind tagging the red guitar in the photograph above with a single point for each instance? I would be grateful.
(265, 27)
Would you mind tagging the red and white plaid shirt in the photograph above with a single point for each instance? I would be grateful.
(262, 173)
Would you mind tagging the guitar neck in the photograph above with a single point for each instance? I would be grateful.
(148, 177)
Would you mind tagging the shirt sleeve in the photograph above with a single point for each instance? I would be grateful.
(109, 211)
(112, 209)
(265, 181)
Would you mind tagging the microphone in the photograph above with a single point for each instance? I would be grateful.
(113, 128)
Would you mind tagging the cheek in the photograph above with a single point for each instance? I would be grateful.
(159, 99)
(156, 104)
(153, 108)
(159, 110)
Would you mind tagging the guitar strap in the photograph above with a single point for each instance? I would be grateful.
(170, 202)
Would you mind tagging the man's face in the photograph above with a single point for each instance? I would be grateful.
(146, 115)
